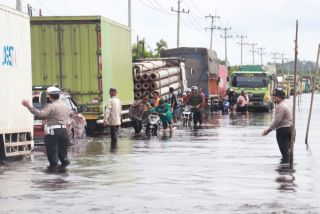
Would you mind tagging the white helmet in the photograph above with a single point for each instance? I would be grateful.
(188, 90)
(194, 88)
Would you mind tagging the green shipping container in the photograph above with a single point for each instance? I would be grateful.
(85, 55)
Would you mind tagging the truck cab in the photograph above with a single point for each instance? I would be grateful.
(258, 82)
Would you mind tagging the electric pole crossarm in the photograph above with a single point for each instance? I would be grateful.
(212, 27)
(178, 11)
(241, 43)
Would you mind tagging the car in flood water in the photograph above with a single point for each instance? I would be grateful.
(76, 126)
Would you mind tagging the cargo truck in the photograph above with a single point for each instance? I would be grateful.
(202, 70)
(158, 75)
(16, 123)
(258, 82)
(84, 55)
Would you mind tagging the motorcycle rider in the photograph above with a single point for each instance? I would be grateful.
(195, 101)
(165, 114)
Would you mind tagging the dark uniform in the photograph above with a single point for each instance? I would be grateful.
(195, 101)
(282, 123)
(57, 115)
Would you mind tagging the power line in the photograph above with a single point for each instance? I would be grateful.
(196, 7)
(154, 8)
(155, 4)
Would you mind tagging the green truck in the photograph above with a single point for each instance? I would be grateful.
(258, 82)
(84, 55)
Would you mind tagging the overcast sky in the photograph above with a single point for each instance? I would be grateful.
(270, 23)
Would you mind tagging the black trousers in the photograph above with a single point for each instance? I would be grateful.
(114, 136)
(137, 125)
(197, 116)
(284, 139)
(57, 147)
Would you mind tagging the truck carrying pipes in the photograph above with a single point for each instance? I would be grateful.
(202, 70)
(16, 123)
(84, 55)
(258, 82)
(159, 75)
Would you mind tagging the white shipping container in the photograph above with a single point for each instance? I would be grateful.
(15, 72)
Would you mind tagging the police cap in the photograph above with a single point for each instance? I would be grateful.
(280, 93)
(53, 90)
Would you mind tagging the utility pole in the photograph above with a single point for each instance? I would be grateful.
(252, 46)
(18, 5)
(260, 52)
(225, 36)
(293, 132)
(274, 56)
(287, 66)
(241, 43)
(212, 27)
(129, 13)
(178, 21)
(282, 63)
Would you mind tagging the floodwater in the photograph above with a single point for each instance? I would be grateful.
(223, 167)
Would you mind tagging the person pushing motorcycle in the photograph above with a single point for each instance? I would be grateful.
(163, 109)
(195, 101)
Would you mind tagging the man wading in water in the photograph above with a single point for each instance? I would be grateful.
(282, 123)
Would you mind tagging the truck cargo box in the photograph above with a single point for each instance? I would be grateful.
(16, 123)
(85, 55)
(201, 67)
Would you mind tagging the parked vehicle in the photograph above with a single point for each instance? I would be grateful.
(187, 115)
(16, 128)
(225, 107)
(85, 55)
(258, 82)
(77, 125)
(153, 125)
(203, 70)
(158, 75)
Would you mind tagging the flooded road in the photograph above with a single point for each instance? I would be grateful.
(223, 167)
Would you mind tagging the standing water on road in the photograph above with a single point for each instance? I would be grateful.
(225, 166)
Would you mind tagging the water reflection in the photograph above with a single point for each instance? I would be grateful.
(286, 178)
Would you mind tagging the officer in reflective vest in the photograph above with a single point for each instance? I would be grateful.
(57, 115)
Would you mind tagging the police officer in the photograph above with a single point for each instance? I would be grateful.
(57, 115)
(282, 123)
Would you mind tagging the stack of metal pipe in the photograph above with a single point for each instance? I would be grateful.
(159, 76)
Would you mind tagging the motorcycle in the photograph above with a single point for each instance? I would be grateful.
(225, 107)
(153, 125)
(187, 115)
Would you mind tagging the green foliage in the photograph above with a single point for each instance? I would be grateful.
(141, 50)
(232, 69)
(161, 45)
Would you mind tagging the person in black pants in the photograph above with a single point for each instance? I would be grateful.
(57, 115)
(195, 101)
(112, 117)
(282, 123)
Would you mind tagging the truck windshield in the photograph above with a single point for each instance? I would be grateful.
(249, 80)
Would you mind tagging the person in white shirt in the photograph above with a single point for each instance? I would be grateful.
(282, 123)
(112, 116)
(242, 103)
